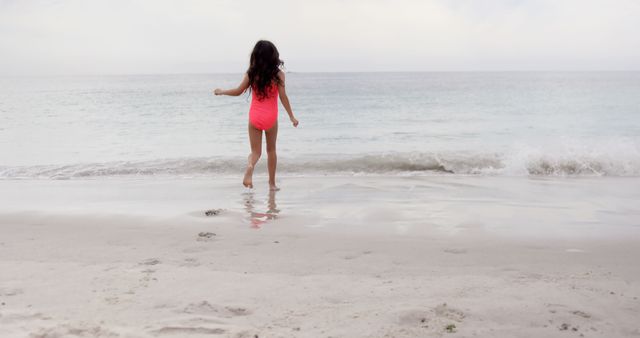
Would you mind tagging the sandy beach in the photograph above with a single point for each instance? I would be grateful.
(324, 257)
(446, 169)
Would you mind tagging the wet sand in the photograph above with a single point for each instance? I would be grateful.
(324, 257)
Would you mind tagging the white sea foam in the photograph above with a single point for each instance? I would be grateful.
(525, 162)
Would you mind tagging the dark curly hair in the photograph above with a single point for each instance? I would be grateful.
(264, 66)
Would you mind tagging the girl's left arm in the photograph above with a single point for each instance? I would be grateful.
(285, 99)
(235, 91)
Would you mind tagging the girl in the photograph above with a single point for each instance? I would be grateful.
(266, 82)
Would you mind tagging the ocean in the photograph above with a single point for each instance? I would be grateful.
(441, 196)
(520, 124)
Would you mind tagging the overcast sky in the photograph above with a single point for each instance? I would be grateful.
(193, 36)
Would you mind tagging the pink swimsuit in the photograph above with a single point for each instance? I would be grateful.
(263, 114)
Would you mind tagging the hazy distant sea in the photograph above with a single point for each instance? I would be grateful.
(509, 123)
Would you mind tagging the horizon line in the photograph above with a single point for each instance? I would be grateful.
(314, 72)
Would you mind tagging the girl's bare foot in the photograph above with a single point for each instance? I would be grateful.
(273, 187)
(248, 177)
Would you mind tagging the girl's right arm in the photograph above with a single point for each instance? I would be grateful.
(235, 91)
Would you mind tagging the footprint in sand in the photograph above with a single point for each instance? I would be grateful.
(581, 314)
(445, 311)
(206, 308)
(79, 330)
(441, 318)
(190, 261)
(147, 276)
(11, 317)
(8, 292)
(205, 236)
(150, 261)
(203, 314)
(213, 212)
(181, 330)
(570, 320)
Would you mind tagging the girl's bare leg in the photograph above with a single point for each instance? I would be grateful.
(272, 157)
(255, 138)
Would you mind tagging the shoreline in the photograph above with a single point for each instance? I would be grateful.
(515, 207)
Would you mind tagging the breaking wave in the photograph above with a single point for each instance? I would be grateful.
(528, 163)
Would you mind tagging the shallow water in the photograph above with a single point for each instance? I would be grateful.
(515, 124)
(572, 208)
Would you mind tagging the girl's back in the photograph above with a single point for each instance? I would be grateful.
(263, 112)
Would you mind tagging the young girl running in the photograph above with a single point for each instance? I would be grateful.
(266, 82)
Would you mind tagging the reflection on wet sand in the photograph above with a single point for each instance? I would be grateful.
(256, 218)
